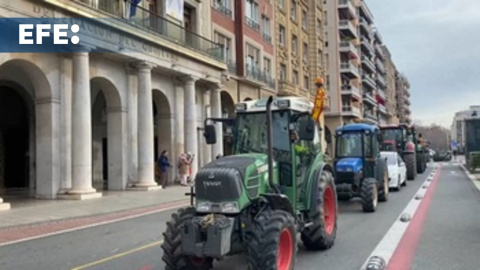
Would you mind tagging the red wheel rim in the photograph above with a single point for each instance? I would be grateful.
(329, 210)
(285, 250)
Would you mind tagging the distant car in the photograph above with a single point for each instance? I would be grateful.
(397, 170)
(442, 156)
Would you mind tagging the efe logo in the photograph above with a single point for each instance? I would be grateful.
(59, 31)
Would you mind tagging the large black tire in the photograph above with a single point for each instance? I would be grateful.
(369, 195)
(383, 188)
(421, 166)
(321, 235)
(172, 246)
(409, 159)
(273, 234)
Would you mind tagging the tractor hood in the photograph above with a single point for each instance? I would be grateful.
(349, 165)
(236, 178)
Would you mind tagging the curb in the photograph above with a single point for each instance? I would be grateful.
(12, 235)
(474, 180)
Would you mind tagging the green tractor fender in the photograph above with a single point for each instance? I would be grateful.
(312, 184)
(279, 202)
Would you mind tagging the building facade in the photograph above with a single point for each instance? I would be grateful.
(381, 80)
(403, 99)
(85, 122)
(457, 129)
(391, 100)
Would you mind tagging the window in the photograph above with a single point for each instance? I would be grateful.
(225, 41)
(253, 55)
(320, 58)
(223, 6)
(306, 82)
(281, 35)
(305, 52)
(281, 3)
(266, 29)
(283, 72)
(188, 18)
(267, 65)
(295, 77)
(252, 10)
(304, 19)
(294, 44)
(294, 10)
(319, 29)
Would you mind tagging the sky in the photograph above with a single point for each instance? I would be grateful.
(436, 44)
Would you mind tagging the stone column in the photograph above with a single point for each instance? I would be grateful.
(81, 129)
(66, 125)
(3, 206)
(191, 138)
(216, 107)
(132, 125)
(146, 159)
(179, 130)
(206, 149)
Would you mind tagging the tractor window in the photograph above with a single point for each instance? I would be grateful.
(392, 134)
(349, 145)
(368, 146)
(252, 134)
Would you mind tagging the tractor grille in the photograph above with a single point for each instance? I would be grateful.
(344, 177)
(218, 184)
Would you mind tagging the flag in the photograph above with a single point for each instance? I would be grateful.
(318, 105)
(133, 7)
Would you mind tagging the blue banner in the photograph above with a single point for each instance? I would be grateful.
(66, 35)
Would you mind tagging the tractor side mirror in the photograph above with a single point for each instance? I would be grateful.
(210, 134)
(306, 129)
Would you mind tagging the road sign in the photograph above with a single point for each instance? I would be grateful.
(454, 144)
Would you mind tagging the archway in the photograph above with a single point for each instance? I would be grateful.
(107, 136)
(28, 116)
(162, 120)
(228, 110)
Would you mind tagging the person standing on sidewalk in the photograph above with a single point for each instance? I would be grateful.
(183, 168)
(164, 165)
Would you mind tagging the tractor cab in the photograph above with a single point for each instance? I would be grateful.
(359, 169)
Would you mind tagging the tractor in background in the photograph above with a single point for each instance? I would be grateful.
(359, 169)
(403, 139)
(276, 185)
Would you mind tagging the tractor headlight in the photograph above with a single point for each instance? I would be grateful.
(349, 169)
(230, 207)
(203, 207)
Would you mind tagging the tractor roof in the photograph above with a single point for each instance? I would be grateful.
(299, 104)
(393, 126)
(357, 127)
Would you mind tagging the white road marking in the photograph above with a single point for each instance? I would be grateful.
(386, 247)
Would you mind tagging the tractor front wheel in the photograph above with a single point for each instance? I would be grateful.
(321, 235)
(409, 159)
(272, 242)
(172, 246)
(369, 195)
(383, 194)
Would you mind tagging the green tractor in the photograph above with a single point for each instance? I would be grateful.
(360, 170)
(274, 186)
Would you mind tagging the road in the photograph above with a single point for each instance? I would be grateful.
(443, 234)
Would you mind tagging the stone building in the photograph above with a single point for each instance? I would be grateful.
(84, 122)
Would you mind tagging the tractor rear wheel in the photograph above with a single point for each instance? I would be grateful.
(369, 195)
(272, 242)
(172, 246)
(384, 186)
(409, 159)
(321, 235)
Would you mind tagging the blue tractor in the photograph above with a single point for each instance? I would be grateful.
(360, 171)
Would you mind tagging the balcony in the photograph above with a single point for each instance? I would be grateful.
(162, 27)
(232, 67)
(380, 80)
(377, 36)
(365, 12)
(252, 24)
(407, 101)
(347, 6)
(347, 28)
(367, 48)
(222, 9)
(369, 82)
(256, 75)
(349, 70)
(349, 110)
(365, 28)
(379, 51)
(382, 109)
(348, 47)
(381, 94)
(369, 115)
(351, 90)
(380, 66)
(367, 64)
(368, 97)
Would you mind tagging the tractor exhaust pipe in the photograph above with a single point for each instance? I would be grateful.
(270, 141)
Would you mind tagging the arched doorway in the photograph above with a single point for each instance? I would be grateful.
(162, 120)
(107, 136)
(28, 127)
(228, 110)
(14, 137)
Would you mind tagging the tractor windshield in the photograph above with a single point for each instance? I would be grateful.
(252, 133)
(349, 145)
(392, 134)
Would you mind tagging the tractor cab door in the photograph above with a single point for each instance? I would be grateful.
(369, 156)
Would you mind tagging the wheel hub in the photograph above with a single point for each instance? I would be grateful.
(285, 250)
(329, 213)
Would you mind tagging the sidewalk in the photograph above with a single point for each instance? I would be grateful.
(42, 211)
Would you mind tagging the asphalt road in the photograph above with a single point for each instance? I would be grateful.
(448, 236)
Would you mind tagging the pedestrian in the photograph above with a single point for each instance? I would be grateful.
(455, 154)
(183, 168)
(190, 158)
(164, 165)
